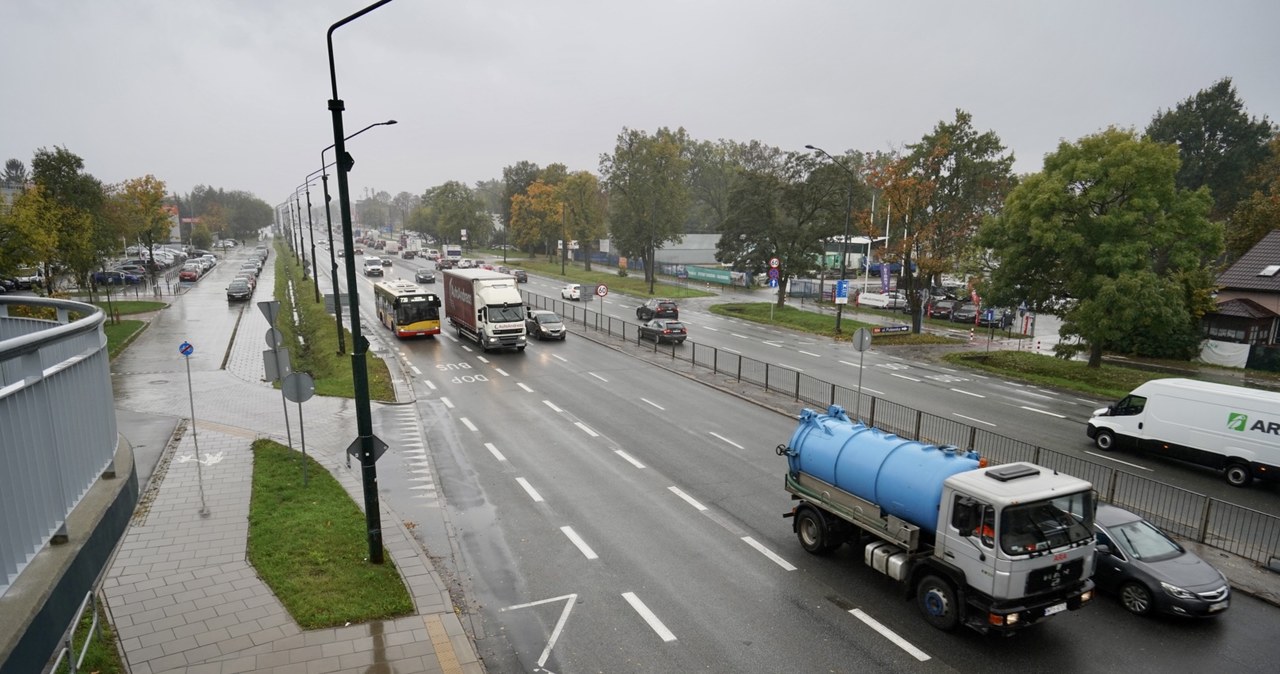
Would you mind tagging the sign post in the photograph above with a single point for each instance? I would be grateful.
(299, 387)
(186, 349)
(270, 309)
(861, 342)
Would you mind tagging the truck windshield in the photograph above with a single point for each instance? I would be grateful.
(504, 314)
(1043, 525)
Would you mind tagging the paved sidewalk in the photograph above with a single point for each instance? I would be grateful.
(180, 592)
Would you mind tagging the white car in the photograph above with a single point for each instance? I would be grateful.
(571, 291)
(890, 300)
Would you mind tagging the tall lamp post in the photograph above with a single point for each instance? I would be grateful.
(315, 272)
(360, 345)
(848, 214)
(302, 240)
(328, 221)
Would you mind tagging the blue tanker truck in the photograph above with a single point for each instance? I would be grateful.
(994, 548)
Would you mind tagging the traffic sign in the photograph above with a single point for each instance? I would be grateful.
(602, 290)
(378, 448)
(186, 349)
(298, 387)
(774, 262)
(861, 339)
(773, 283)
(274, 338)
(270, 309)
(773, 273)
(842, 291)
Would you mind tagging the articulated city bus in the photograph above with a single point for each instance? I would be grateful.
(406, 309)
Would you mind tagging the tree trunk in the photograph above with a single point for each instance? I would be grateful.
(1095, 355)
(782, 292)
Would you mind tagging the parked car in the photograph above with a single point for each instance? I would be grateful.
(995, 316)
(657, 308)
(239, 290)
(544, 325)
(134, 269)
(116, 278)
(571, 291)
(664, 330)
(249, 278)
(965, 312)
(424, 276)
(942, 309)
(189, 273)
(521, 275)
(8, 284)
(1150, 572)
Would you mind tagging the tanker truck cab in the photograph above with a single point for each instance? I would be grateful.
(996, 549)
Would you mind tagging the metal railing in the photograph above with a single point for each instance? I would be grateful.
(1236, 529)
(57, 420)
(69, 638)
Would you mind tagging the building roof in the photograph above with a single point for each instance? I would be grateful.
(1243, 308)
(1258, 269)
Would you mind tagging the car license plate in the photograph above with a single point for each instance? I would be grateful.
(1220, 606)
(1056, 608)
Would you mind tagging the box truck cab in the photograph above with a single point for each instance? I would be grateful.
(1232, 429)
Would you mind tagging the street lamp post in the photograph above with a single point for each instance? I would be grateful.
(360, 345)
(328, 221)
(301, 254)
(315, 272)
(848, 215)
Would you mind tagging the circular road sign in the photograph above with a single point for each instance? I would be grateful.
(773, 273)
(602, 290)
(274, 338)
(861, 339)
(299, 387)
(774, 262)
(186, 349)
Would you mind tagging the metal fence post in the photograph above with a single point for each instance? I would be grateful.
(1204, 522)
(919, 416)
(871, 413)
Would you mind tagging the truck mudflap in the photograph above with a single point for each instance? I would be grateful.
(1010, 616)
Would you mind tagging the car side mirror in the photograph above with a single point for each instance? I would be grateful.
(1104, 549)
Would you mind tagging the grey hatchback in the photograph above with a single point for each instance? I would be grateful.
(1151, 572)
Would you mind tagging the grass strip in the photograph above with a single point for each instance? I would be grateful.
(632, 284)
(309, 545)
(786, 316)
(1110, 382)
(120, 335)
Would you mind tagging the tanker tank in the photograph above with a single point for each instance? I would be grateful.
(903, 477)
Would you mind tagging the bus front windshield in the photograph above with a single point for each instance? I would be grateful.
(416, 311)
(1035, 528)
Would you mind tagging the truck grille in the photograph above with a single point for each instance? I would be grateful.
(1053, 577)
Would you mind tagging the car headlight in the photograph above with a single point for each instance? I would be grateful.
(1176, 591)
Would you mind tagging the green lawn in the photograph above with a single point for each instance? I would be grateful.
(816, 323)
(310, 547)
(128, 307)
(102, 656)
(632, 284)
(1111, 382)
(119, 335)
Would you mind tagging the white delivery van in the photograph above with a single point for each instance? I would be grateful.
(1229, 428)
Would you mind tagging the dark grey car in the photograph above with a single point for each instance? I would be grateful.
(544, 325)
(1151, 572)
(424, 276)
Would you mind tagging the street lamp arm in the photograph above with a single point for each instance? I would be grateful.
(333, 71)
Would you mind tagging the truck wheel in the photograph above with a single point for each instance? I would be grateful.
(811, 529)
(1136, 598)
(937, 603)
(1238, 475)
(1105, 440)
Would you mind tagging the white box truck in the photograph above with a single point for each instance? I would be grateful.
(1232, 429)
(486, 307)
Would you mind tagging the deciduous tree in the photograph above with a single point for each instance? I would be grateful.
(1105, 225)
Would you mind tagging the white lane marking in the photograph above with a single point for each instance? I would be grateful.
(582, 545)
(415, 369)
(890, 635)
(1012, 383)
(598, 377)
(708, 327)
(773, 344)
(467, 422)
(1087, 402)
(773, 556)
(630, 459)
(687, 498)
(947, 369)
(807, 353)
(1038, 395)
(727, 440)
(586, 430)
(533, 493)
(975, 420)
(739, 336)
(482, 359)
(429, 384)
(968, 393)
(556, 355)
(725, 348)
(903, 376)
(526, 388)
(850, 364)
(447, 403)
(871, 390)
(466, 348)
(789, 367)
(654, 404)
(655, 624)
(1052, 414)
(494, 451)
(569, 600)
(552, 405)
(501, 371)
(1133, 465)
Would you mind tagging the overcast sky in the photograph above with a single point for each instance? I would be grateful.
(233, 93)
